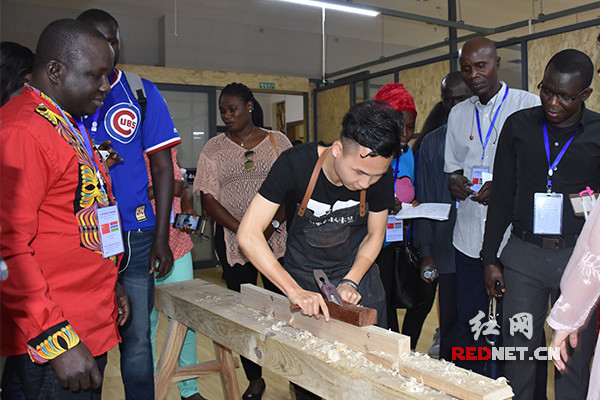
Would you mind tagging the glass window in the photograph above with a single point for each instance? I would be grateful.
(378, 82)
(510, 66)
(193, 110)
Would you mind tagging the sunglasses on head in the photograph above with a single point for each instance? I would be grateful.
(249, 163)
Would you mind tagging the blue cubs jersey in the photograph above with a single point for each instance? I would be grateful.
(119, 121)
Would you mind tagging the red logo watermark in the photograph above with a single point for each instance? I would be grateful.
(504, 353)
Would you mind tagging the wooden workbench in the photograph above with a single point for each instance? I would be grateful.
(331, 369)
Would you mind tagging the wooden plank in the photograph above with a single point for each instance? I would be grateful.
(364, 339)
(331, 369)
(450, 379)
(326, 369)
(348, 313)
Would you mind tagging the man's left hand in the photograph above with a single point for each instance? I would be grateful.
(161, 259)
(483, 196)
(76, 369)
(491, 274)
(123, 303)
(348, 293)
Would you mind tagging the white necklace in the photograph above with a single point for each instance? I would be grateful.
(247, 137)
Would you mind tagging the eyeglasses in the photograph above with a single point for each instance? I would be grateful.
(562, 98)
(249, 163)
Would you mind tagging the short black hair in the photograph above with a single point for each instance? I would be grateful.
(375, 125)
(16, 61)
(58, 41)
(96, 15)
(571, 61)
(243, 92)
(452, 78)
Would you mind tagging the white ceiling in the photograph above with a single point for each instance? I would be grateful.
(351, 40)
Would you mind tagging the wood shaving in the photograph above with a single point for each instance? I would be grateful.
(357, 362)
(211, 299)
(338, 352)
(277, 327)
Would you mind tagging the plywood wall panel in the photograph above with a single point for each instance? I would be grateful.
(423, 83)
(288, 84)
(332, 105)
(541, 50)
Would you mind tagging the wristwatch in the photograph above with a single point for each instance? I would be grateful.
(276, 225)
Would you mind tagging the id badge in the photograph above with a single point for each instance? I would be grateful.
(547, 213)
(394, 231)
(111, 234)
(477, 178)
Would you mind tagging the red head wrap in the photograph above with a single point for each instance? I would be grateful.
(397, 97)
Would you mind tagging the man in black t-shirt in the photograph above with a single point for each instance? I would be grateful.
(336, 218)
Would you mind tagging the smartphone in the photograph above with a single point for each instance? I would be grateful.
(183, 220)
(104, 153)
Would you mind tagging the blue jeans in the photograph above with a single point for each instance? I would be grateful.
(136, 351)
(42, 384)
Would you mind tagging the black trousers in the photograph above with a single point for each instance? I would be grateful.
(448, 314)
(532, 276)
(415, 317)
(234, 276)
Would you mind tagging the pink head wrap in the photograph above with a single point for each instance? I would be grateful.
(397, 97)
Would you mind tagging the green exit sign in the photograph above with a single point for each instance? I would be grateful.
(267, 85)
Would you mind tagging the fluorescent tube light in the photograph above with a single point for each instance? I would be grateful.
(336, 6)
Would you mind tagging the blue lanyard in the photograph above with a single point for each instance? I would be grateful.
(82, 138)
(552, 166)
(80, 134)
(489, 132)
(94, 127)
(396, 171)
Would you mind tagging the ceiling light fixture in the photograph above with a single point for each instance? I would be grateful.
(338, 6)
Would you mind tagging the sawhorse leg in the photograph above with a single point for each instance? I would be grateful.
(227, 369)
(167, 371)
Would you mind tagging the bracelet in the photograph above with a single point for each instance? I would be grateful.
(350, 282)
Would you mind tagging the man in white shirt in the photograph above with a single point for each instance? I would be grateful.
(473, 130)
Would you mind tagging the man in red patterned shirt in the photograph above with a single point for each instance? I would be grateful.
(58, 306)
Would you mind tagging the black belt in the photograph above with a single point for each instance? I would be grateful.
(546, 242)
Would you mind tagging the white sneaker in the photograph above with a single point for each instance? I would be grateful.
(434, 350)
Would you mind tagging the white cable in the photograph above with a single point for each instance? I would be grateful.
(175, 25)
(323, 39)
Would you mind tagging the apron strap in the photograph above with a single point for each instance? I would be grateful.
(312, 182)
(363, 202)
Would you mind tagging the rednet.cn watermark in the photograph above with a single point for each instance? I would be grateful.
(504, 353)
(521, 323)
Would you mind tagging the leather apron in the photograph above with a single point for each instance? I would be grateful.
(330, 242)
